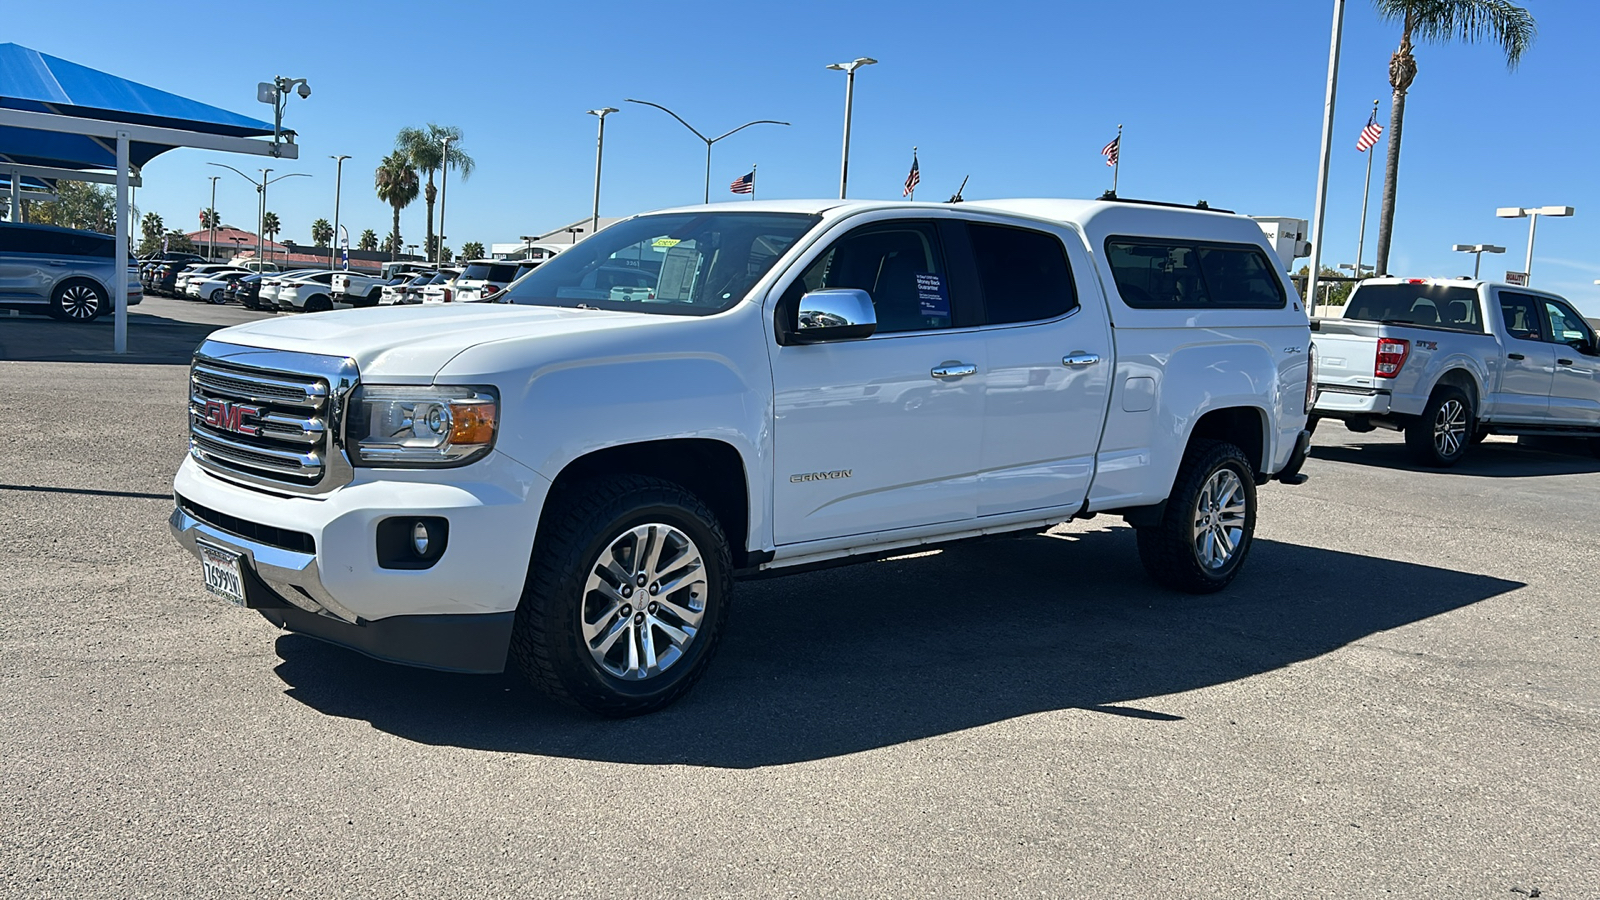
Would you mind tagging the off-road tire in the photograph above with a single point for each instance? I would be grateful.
(1421, 437)
(1168, 549)
(581, 521)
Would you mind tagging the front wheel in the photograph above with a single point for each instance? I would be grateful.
(626, 596)
(1209, 522)
(79, 301)
(1440, 436)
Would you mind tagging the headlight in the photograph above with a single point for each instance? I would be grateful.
(422, 426)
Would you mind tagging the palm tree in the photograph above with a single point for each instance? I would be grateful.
(208, 219)
(1500, 21)
(369, 241)
(425, 149)
(472, 250)
(321, 233)
(270, 226)
(397, 186)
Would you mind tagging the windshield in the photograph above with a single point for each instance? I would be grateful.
(1453, 307)
(690, 264)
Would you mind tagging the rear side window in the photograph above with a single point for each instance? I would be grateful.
(489, 272)
(1024, 274)
(1431, 305)
(1170, 274)
(1521, 315)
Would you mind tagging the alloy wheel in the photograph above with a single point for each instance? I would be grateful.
(644, 601)
(1450, 428)
(1219, 519)
(80, 302)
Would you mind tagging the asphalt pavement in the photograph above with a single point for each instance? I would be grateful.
(1400, 696)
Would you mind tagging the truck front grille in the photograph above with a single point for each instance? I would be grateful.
(276, 427)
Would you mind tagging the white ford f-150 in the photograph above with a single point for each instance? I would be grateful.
(572, 481)
(1449, 361)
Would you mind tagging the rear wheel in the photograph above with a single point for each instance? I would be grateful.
(216, 297)
(1209, 522)
(78, 301)
(626, 596)
(1440, 436)
(318, 303)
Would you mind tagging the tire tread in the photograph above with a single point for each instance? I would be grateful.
(1165, 549)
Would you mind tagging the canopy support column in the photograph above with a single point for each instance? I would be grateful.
(119, 275)
(15, 209)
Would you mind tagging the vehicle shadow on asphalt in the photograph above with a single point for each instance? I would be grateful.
(1494, 459)
(152, 340)
(846, 660)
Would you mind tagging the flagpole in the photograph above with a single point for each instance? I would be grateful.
(1116, 168)
(913, 194)
(752, 182)
(1361, 240)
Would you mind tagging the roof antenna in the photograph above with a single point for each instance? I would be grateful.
(956, 197)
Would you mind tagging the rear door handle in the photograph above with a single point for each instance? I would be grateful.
(1564, 362)
(1515, 356)
(1078, 360)
(954, 370)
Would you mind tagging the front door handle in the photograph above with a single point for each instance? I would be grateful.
(954, 370)
(1078, 360)
(1515, 356)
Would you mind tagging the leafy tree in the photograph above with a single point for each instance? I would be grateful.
(321, 233)
(425, 149)
(396, 184)
(1333, 293)
(472, 250)
(368, 242)
(1440, 21)
(78, 204)
(177, 240)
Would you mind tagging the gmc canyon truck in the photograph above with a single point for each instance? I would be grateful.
(572, 480)
(1451, 361)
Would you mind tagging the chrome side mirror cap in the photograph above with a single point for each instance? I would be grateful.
(835, 314)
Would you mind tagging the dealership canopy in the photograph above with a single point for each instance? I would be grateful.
(61, 120)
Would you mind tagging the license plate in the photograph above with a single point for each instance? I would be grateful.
(222, 573)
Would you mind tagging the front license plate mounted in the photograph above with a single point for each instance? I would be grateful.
(223, 574)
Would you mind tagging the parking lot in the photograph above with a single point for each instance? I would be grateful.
(1399, 696)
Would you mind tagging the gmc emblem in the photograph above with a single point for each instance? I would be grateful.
(234, 417)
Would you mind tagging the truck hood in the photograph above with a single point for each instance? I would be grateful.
(410, 343)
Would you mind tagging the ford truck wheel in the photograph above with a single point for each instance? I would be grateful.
(1440, 436)
(1209, 522)
(626, 596)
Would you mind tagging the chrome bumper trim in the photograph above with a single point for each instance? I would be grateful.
(291, 575)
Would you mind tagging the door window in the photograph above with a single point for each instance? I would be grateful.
(1024, 274)
(1566, 326)
(1522, 315)
(898, 263)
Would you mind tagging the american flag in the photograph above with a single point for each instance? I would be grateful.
(744, 184)
(1369, 134)
(1110, 150)
(914, 178)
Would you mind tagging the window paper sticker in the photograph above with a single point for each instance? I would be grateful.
(932, 297)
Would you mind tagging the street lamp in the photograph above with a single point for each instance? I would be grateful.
(412, 248)
(709, 141)
(599, 154)
(338, 181)
(1477, 251)
(261, 212)
(574, 232)
(444, 180)
(211, 220)
(849, 70)
(276, 92)
(1532, 214)
(528, 239)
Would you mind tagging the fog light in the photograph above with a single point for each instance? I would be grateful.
(419, 539)
(412, 542)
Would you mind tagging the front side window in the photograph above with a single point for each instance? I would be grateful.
(1024, 274)
(1521, 314)
(899, 264)
(674, 264)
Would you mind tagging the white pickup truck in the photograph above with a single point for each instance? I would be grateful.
(573, 480)
(1450, 361)
(356, 289)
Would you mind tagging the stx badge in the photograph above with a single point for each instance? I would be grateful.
(238, 418)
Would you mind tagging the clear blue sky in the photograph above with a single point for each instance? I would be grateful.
(1221, 100)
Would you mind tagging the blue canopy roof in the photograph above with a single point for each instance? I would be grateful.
(34, 82)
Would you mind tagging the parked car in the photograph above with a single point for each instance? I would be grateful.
(244, 290)
(483, 279)
(569, 484)
(62, 272)
(256, 265)
(309, 292)
(152, 263)
(1450, 361)
(163, 280)
(187, 284)
(267, 297)
(441, 288)
(357, 289)
(213, 287)
(395, 293)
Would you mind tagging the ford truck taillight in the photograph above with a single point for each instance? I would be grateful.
(1391, 356)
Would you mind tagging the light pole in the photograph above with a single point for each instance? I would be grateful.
(573, 233)
(1532, 214)
(211, 219)
(849, 70)
(528, 239)
(261, 212)
(599, 154)
(338, 181)
(709, 141)
(444, 180)
(1320, 209)
(1477, 251)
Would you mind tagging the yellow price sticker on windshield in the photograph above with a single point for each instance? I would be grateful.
(665, 242)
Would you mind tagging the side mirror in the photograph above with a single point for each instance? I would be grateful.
(835, 314)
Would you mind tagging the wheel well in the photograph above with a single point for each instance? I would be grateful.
(1460, 378)
(80, 279)
(711, 470)
(1242, 426)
